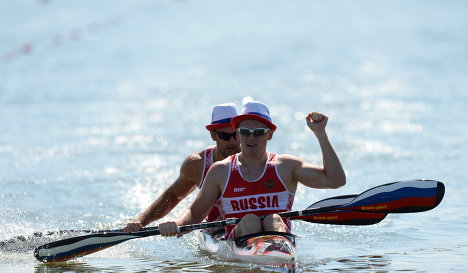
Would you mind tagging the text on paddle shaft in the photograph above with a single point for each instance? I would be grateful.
(255, 203)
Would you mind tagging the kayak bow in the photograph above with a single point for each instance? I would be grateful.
(275, 249)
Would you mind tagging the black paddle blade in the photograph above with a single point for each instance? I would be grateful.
(333, 201)
(344, 217)
(70, 248)
(67, 249)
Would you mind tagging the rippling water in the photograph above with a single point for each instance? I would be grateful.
(100, 103)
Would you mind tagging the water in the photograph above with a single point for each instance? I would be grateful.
(100, 103)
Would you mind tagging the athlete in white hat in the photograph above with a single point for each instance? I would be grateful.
(194, 168)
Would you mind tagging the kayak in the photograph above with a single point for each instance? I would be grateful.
(275, 249)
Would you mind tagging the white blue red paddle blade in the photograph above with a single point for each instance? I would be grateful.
(400, 197)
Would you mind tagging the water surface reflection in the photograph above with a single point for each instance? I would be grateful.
(364, 263)
(150, 265)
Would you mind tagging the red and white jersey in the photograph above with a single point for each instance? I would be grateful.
(208, 161)
(264, 196)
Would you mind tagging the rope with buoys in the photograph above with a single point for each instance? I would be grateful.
(73, 34)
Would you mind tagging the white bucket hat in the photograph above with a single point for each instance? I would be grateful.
(254, 110)
(221, 116)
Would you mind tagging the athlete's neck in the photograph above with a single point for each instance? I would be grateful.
(249, 161)
(251, 168)
(217, 155)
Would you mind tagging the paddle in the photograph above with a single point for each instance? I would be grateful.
(396, 197)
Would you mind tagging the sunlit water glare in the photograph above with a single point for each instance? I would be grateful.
(100, 103)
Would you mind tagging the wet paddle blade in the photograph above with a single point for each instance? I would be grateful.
(70, 248)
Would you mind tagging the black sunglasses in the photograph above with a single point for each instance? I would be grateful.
(225, 136)
(256, 132)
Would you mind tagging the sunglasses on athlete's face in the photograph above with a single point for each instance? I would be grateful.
(225, 136)
(256, 131)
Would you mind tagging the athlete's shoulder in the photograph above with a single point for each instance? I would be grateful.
(288, 161)
(194, 161)
(288, 158)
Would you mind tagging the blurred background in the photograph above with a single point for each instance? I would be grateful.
(101, 101)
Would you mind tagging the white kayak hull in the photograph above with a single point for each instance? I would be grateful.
(271, 249)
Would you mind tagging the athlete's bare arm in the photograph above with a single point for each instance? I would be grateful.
(208, 195)
(330, 176)
(189, 177)
(210, 192)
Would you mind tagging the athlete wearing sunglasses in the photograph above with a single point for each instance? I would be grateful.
(258, 132)
(226, 136)
(194, 168)
(256, 184)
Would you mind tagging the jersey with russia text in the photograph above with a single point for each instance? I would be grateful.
(208, 161)
(264, 196)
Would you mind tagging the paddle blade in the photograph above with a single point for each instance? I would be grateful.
(70, 248)
(400, 197)
(343, 217)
